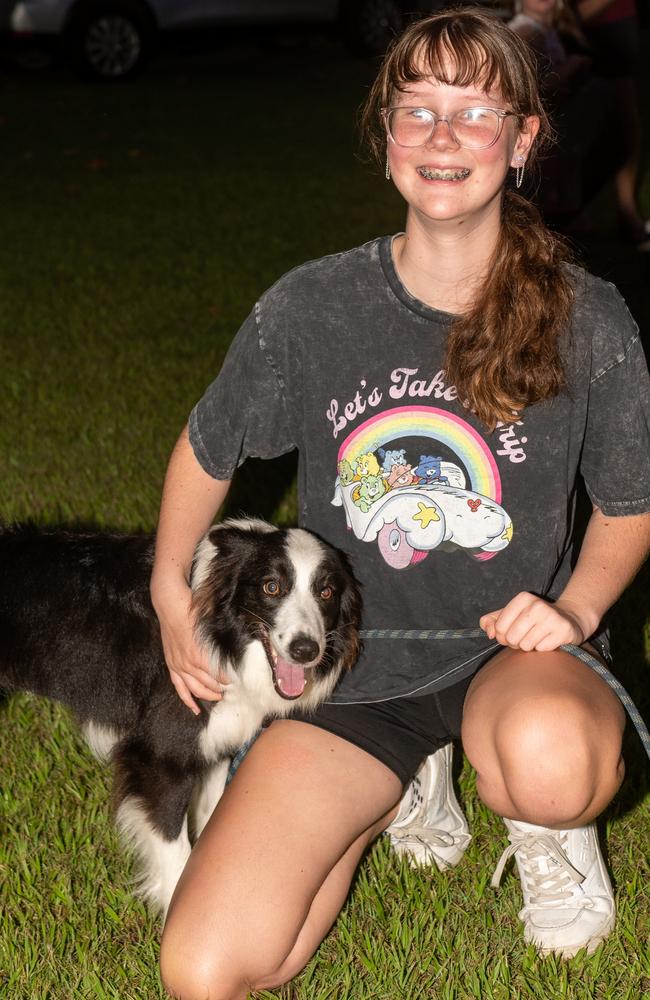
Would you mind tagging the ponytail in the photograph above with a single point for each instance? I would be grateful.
(506, 352)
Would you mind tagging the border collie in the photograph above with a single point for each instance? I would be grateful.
(278, 611)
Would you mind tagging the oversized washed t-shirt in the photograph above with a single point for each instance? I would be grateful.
(442, 521)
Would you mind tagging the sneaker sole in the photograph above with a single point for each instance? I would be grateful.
(570, 952)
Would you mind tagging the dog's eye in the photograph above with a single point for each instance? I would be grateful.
(327, 593)
(271, 588)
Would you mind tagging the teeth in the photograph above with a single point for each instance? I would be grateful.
(443, 175)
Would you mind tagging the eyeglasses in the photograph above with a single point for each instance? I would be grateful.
(471, 128)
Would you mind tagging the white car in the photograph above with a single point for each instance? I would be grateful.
(110, 39)
(409, 522)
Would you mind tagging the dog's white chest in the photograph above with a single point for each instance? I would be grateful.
(248, 699)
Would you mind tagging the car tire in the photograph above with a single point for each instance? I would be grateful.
(371, 25)
(109, 40)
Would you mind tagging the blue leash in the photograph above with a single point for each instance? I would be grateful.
(577, 651)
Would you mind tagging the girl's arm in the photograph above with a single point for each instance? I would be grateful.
(190, 501)
(613, 551)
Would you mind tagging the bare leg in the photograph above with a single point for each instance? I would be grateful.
(273, 866)
(544, 733)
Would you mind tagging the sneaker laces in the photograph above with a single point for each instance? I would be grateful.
(545, 888)
(425, 836)
(420, 832)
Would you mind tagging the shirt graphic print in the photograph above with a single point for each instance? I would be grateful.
(417, 478)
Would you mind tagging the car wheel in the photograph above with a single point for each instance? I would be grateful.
(109, 41)
(395, 549)
(371, 25)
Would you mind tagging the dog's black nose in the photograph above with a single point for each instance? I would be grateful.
(303, 649)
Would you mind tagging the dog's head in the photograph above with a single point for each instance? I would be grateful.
(285, 589)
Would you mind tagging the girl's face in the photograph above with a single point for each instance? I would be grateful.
(442, 182)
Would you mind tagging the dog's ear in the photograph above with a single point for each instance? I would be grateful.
(350, 615)
(218, 561)
(235, 542)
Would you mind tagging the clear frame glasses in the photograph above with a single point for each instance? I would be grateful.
(471, 128)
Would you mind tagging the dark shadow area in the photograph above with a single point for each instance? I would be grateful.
(628, 624)
(41, 56)
(599, 249)
(265, 488)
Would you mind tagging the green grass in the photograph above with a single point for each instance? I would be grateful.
(139, 224)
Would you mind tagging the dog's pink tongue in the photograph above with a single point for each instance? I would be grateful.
(290, 677)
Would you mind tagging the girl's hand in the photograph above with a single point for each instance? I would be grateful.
(188, 664)
(530, 623)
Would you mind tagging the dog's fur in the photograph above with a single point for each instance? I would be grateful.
(77, 625)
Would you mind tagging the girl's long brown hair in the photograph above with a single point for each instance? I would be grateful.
(505, 353)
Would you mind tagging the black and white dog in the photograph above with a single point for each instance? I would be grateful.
(278, 611)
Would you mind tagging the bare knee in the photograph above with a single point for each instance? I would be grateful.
(553, 761)
(549, 760)
(195, 968)
(186, 979)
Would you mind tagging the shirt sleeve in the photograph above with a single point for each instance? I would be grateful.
(243, 413)
(615, 460)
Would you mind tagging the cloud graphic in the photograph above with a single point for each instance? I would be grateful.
(418, 519)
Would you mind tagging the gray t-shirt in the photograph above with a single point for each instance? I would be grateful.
(442, 520)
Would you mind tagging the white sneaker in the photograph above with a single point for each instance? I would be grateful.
(430, 825)
(568, 899)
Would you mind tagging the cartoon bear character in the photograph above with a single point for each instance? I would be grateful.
(367, 465)
(346, 472)
(390, 458)
(371, 489)
(429, 470)
(401, 475)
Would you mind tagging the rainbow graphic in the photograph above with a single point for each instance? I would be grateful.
(438, 425)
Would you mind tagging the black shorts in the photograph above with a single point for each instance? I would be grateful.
(403, 731)
(400, 732)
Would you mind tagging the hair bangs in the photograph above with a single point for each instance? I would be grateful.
(460, 62)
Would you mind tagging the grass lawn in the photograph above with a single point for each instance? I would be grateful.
(139, 224)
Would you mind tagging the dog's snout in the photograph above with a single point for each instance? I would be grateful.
(302, 649)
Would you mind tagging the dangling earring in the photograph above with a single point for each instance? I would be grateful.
(387, 168)
(519, 170)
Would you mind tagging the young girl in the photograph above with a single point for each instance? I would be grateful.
(444, 388)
